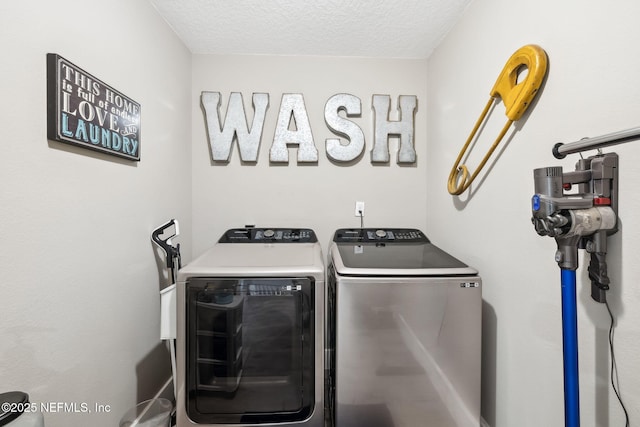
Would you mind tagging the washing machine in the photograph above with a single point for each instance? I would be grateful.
(403, 332)
(250, 334)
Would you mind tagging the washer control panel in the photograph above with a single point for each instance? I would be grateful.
(363, 235)
(269, 235)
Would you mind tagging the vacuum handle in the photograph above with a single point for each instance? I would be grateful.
(170, 251)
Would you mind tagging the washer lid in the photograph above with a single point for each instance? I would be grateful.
(248, 252)
(392, 252)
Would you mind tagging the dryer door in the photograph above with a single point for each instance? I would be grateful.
(249, 349)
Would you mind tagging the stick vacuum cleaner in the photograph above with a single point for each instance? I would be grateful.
(580, 219)
(162, 236)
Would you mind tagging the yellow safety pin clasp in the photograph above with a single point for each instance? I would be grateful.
(516, 96)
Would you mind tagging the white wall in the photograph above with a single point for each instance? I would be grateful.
(319, 196)
(590, 91)
(79, 321)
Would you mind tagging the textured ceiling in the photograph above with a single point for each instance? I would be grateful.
(361, 28)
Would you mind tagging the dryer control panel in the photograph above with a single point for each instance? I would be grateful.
(269, 235)
(363, 235)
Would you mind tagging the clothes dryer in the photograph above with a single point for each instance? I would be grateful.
(250, 331)
(403, 332)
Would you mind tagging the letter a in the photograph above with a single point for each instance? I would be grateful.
(292, 107)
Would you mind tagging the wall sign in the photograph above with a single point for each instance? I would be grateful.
(85, 111)
(293, 128)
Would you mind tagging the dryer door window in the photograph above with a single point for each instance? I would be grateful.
(249, 350)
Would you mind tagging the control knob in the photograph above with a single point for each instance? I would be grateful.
(381, 234)
(269, 233)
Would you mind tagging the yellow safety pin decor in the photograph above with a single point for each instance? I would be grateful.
(516, 96)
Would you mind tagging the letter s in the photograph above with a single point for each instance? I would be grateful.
(352, 106)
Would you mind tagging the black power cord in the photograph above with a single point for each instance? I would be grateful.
(615, 382)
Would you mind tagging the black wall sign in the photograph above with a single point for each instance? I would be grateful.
(84, 111)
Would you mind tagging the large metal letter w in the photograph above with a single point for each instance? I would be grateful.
(235, 126)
